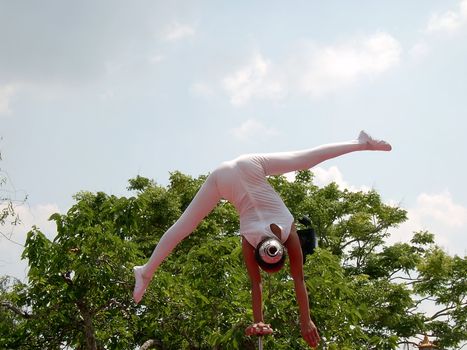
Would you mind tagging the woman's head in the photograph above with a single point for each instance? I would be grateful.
(270, 254)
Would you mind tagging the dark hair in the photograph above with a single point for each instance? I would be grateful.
(308, 237)
(270, 254)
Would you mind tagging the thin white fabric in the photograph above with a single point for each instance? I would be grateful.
(243, 182)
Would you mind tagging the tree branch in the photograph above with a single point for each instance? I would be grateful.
(89, 331)
(9, 306)
(11, 240)
(408, 343)
(115, 303)
(442, 312)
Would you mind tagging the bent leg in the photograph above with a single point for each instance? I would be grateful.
(284, 162)
(201, 205)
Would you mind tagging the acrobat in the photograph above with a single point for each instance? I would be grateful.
(266, 225)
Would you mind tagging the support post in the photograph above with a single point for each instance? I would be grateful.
(260, 342)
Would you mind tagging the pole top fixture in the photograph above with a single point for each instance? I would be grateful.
(426, 344)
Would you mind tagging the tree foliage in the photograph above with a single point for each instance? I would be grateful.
(364, 292)
(9, 200)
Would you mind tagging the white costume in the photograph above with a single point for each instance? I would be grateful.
(243, 182)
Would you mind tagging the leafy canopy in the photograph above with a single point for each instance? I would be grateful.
(364, 293)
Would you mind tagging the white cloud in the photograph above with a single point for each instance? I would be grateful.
(254, 80)
(316, 72)
(439, 214)
(177, 31)
(449, 21)
(463, 9)
(6, 93)
(331, 68)
(323, 177)
(441, 208)
(10, 253)
(253, 129)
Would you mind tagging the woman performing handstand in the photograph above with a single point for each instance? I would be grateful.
(266, 224)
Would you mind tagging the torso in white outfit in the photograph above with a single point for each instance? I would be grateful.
(243, 182)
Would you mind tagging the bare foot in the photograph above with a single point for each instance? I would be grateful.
(141, 283)
(372, 143)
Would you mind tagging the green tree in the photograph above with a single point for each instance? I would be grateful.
(364, 293)
(9, 200)
(79, 281)
(11, 316)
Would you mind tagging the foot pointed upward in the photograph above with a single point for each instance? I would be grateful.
(141, 283)
(372, 143)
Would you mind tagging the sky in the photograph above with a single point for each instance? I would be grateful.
(93, 93)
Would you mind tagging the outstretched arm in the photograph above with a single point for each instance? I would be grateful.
(308, 328)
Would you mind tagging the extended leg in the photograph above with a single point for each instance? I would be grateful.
(284, 162)
(202, 204)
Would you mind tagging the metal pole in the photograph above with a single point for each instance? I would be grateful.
(260, 342)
